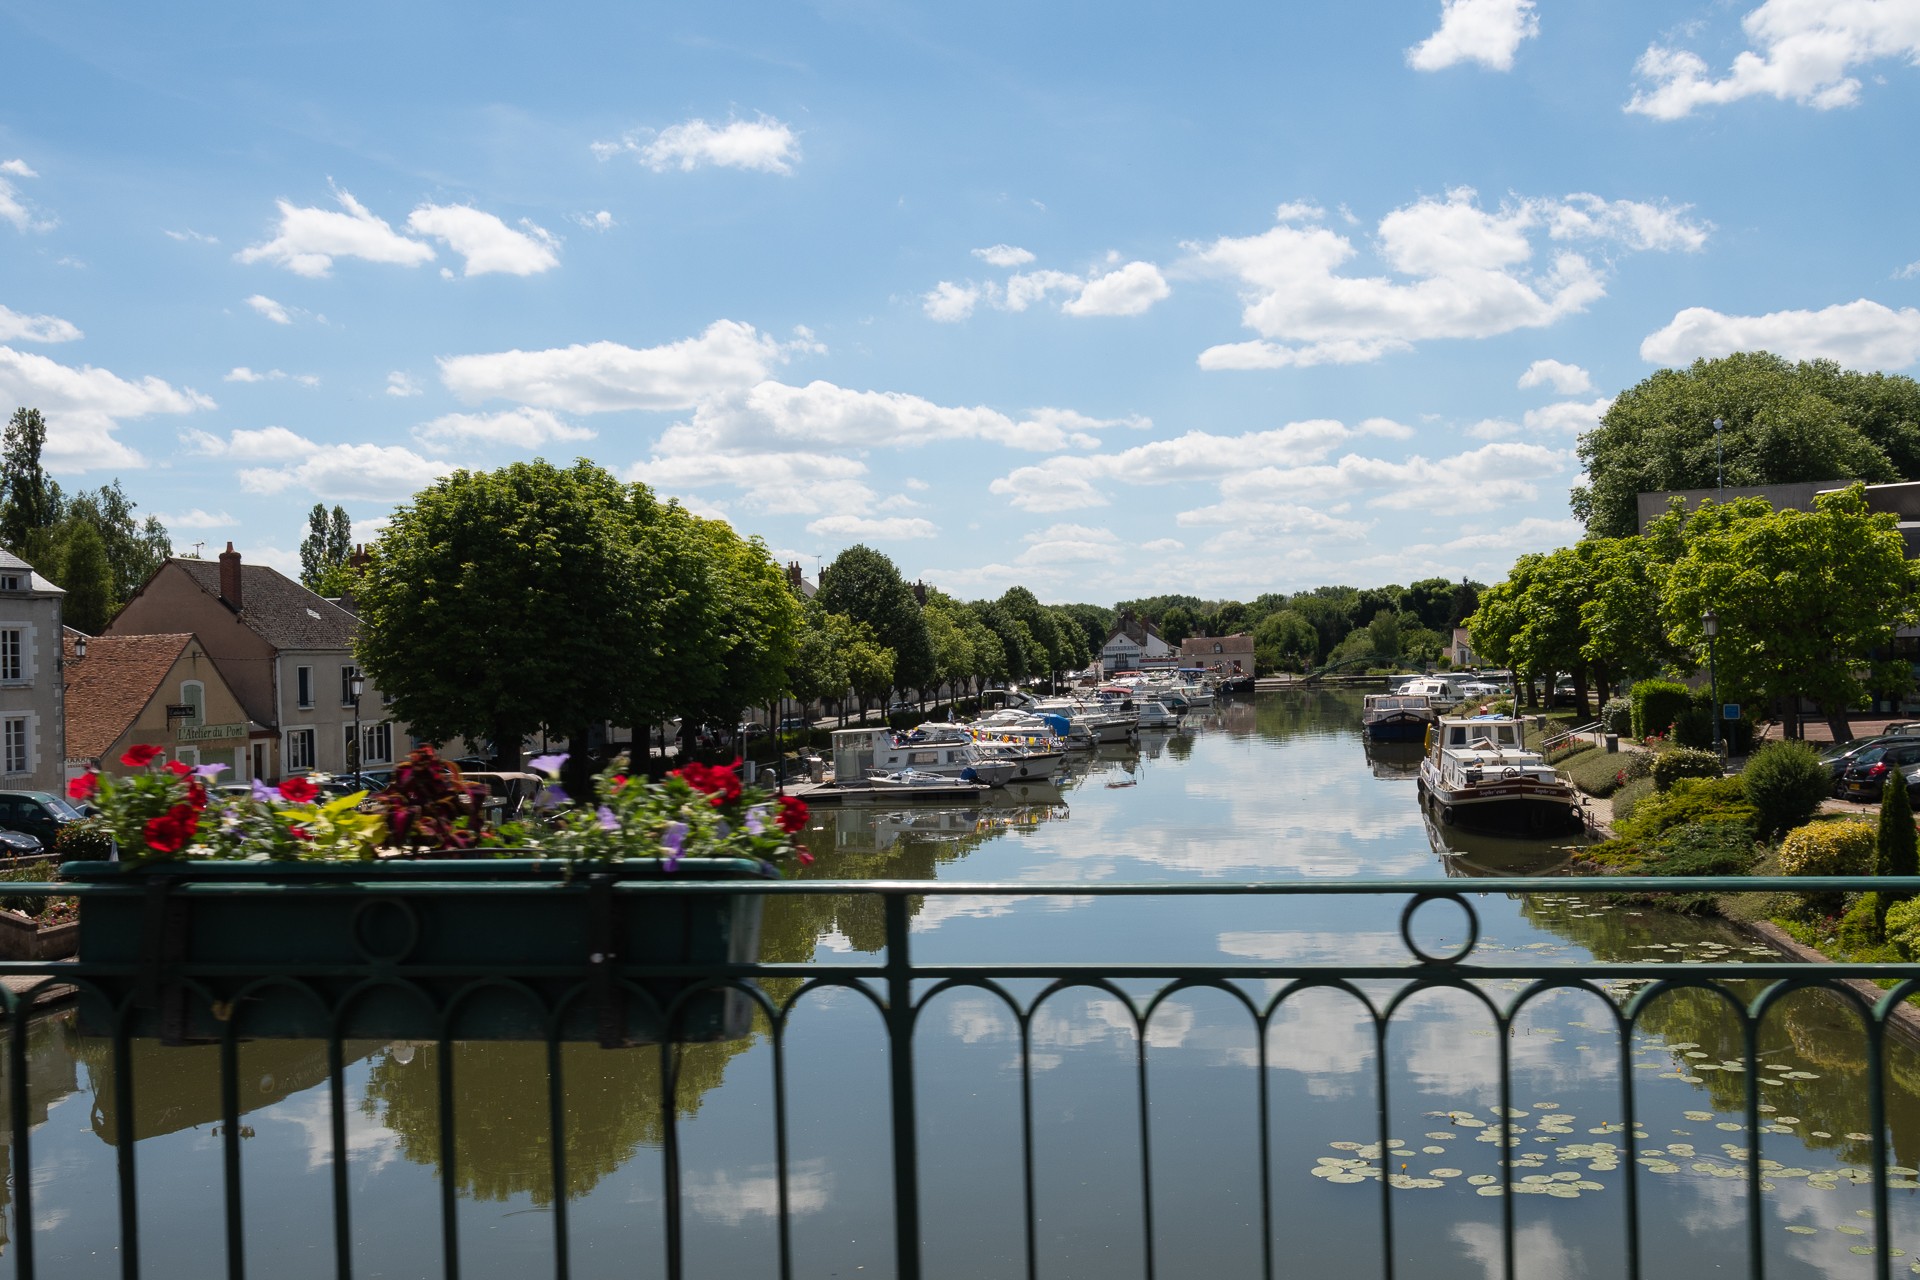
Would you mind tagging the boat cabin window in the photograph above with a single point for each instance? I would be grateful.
(923, 757)
(1500, 735)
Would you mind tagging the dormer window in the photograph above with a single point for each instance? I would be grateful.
(9, 582)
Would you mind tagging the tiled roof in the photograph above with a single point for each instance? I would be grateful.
(35, 581)
(107, 689)
(281, 611)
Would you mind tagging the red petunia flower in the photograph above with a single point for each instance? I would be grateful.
(298, 790)
(178, 768)
(83, 787)
(170, 832)
(793, 814)
(140, 755)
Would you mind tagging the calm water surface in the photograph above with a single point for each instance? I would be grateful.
(1278, 788)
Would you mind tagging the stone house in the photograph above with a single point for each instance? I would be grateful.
(284, 651)
(159, 690)
(33, 747)
(1232, 655)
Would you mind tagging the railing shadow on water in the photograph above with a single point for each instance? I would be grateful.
(1500, 984)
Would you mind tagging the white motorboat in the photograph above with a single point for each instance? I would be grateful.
(944, 750)
(1477, 773)
(1396, 717)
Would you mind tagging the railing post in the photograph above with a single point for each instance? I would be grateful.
(906, 1159)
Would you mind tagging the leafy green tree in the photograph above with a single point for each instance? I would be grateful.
(867, 587)
(1466, 598)
(498, 603)
(870, 666)
(1229, 618)
(1782, 422)
(135, 548)
(1284, 641)
(988, 650)
(1531, 621)
(1096, 624)
(1428, 603)
(88, 580)
(1620, 615)
(1421, 644)
(818, 669)
(1329, 610)
(29, 501)
(1046, 654)
(1074, 652)
(1807, 602)
(1009, 635)
(953, 659)
(1383, 634)
(1176, 624)
(753, 623)
(328, 544)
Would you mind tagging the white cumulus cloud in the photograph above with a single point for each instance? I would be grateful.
(401, 383)
(309, 239)
(948, 302)
(763, 144)
(602, 377)
(13, 206)
(1125, 292)
(797, 482)
(197, 518)
(363, 472)
(524, 428)
(85, 405)
(488, 244)
(1457, 271)
(1573, 417)
(1803, 51)
(250, 444)
(1483, 31)
(25, 328)
(1003, 255)
(1567, 379)
(267, 307)
(870, 527)
(1861, 333)
(240, 373)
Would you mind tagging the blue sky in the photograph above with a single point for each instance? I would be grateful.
(1107, 300)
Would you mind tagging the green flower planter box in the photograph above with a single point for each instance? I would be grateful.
(368, 950)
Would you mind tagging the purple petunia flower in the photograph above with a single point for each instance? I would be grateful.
(757, 819)
(210, 771)
(673, 839)
(263, 792)
(549, 796)
(608, 821)
(549, 765)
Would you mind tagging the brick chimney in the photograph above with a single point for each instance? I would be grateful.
(793, 574)
(360, 558)
(230, 577)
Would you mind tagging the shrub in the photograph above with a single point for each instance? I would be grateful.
(1719, 847)
(1656, 704)
(1693, 723)
(1903, 927)
(1638, 764)
(1690, 800)
(1785, 783)
(1629, 796)
(1842, 848)
(1616, 716)
(90, 840)
(1684, 762)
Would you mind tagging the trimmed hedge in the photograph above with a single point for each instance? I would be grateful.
(1597, 773)
(1841, 848)
(1616, 716)
(1656, 705)
(1683, 762)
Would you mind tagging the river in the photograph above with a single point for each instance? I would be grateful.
(1278, 787)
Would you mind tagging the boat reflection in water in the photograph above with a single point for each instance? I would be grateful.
(1394, 760)
(1476, 853)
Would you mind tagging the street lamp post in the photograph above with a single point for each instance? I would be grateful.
(1710, 623)
(359, 687)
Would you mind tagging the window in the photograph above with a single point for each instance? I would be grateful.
(12, 652)
(194, 694)
(376, 745)
(9, 582)
(15, 736)
(299, 748)
(303, 688)
(346, 685)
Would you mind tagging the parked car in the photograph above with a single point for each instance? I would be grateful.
(39, 814)
(16, 846)
(1837, 756)
(795, 724)
(1866, 776)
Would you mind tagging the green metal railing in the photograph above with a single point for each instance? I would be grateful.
(899, 989)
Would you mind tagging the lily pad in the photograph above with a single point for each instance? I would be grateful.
(1804, 1231)
(1500, 1191)
(1482, 1180)
(1698, 1115)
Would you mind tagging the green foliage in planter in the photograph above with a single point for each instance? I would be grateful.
(1616, 716)
(1785, 783)
(1629, 796)
(1683, 762)
(46, 910)
(1842, 848)
(1656, 704)
(89, 840)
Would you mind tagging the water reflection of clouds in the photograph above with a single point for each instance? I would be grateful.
(370, 1147)
(721, 1196)
(1056, 1027)
(935, 912)
(1546, 1255)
